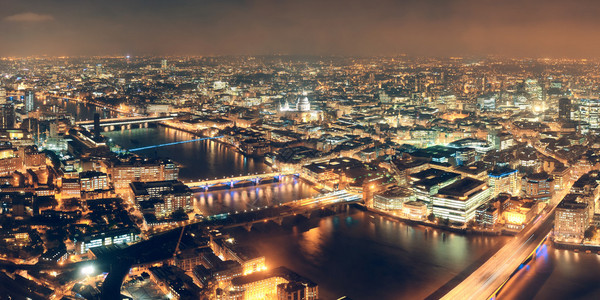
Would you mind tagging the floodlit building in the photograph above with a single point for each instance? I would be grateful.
(503, 180)
(393, 199)
(572, 219)
(538, 186)
(459, 201)
(269, 285)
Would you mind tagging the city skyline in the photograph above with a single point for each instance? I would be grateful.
(299, 150)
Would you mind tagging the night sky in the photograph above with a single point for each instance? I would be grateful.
(546, 28)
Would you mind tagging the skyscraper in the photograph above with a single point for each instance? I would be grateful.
(2, 96)
(564, 109)
(97, 126)
(29, 100)
(7, 115)
(163, 64)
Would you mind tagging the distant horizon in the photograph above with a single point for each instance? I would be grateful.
(535, 28)
(473, 56)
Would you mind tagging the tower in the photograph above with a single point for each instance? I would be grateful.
(7, 115)
(29, 100)
(564, 109)
(96, 126)
(2, 96)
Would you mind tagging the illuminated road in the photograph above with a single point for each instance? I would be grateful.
(493, 274)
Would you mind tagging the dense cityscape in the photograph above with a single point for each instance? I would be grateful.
(299, 150)
(475, 147)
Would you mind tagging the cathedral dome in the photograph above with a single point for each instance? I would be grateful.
(303, 104)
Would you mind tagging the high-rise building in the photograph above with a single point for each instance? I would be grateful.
(2, 96)
(99, 70)
(503, 180)
(572, 219)
(458, 202)
(164, 64)
(97, 126)
(589, 111)
(29, 100)
(538, 186)
(7, 116)
(564, 109)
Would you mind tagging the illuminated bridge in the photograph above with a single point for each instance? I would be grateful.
(232, 182)
(174, 143)
(487, 281)
(489, 278)
(111, 124)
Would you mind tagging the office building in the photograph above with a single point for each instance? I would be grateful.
(538, 186)
(87, 241)
(161, 197)
(2, 96)
(93, 181)
(7, 116)
(458, 202)
(393, 199)
(503, 180)
(142, 170)
(572, 219)
(564, 109)
(486, 215)
(29, 100)
(426, 183)
(589, 111)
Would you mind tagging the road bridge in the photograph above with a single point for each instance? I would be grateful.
(111, 124)
(487, 280)
(231, 182)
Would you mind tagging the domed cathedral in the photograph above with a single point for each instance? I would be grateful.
(303, 104)
(302, 111)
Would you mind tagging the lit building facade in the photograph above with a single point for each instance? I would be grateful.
(459, 201)
(144, 170)
(503, 180)
(539, 186)
(93, 181)
(572, 219)
(106, 238)
(393, 199)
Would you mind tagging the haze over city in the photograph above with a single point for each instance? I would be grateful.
(299, 150)
(539, 28)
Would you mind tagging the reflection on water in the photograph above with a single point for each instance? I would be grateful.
(354, 254)
(198, 160)
(288, 189)
(556, 274)
(368, 257)
(78, 110)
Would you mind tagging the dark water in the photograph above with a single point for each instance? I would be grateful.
(353, 254)
(199, 160)
(288, 189)
(367, 257)
(80, 111)
(556, 274)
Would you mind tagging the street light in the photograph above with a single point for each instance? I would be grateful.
(88, 270)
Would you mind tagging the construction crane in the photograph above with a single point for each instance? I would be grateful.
(178, 243)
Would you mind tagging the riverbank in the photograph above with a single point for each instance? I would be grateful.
(411, 222)
(576, 247)
(215, 140)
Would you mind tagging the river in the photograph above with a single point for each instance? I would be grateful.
(353, 253)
